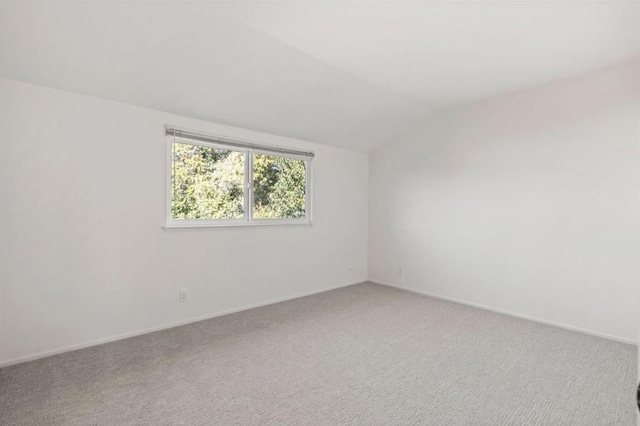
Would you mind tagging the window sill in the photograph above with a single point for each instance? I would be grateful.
(258, 224)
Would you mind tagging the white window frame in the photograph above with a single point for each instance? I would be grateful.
(248, 220)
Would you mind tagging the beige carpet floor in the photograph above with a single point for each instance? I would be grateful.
(365, 355)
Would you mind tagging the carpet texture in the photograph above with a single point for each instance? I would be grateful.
(365, 354)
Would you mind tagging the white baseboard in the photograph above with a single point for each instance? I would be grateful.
(513, 314)
(97, 342)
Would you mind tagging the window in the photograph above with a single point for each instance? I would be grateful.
(215, 181)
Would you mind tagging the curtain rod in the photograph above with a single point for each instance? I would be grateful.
(227, 141)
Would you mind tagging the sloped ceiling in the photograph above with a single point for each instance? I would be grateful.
(352, 74)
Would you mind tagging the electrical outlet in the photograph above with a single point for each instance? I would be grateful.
(183, 296)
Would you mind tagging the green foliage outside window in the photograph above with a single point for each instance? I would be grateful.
(208, 183)
(278, 187)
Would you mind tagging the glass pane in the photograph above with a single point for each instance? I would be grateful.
(279, 186)
(206, 183)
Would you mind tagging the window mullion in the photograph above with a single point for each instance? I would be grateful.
(307, 191)
(248, 184)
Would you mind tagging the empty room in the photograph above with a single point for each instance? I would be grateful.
(319, 213)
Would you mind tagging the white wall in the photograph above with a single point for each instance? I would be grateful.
(84, 254)
(527, 203)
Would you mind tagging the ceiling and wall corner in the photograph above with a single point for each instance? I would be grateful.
(349, 74)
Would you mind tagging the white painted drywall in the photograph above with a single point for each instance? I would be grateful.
(84, 254)
(526, 203)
